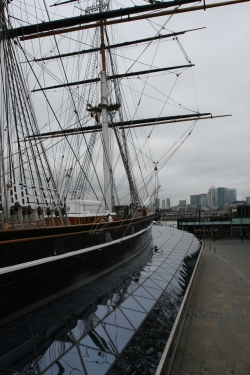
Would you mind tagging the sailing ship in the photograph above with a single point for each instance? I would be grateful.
(65, 216)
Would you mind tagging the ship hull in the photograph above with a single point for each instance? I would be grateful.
(38, 269)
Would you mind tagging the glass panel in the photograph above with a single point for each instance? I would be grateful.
(150, 267)
(119, 336)
(140, 279)
(69, 364)
(175, 301)
(79, 328)
(49, 351)
(96, 362)
(69, 304)
(118, 318)
(133, 285)
(165, 276)
(141, 292)
(121, 368)
(56, 332)
(102, 311)
(88, 294)
(101, 285)
(82, 312)
(146, 303)
(21, 328)
(168, 309)
(98, 339)
(146, 273)
(161, 284)
(17, 359)
(154, 292)
(176, 283)
(135, 317)
(57, 369)
(130, 303)
(8, 343)
(172, 262)
(156, 262)
(137, 357)
(39, 324)
(50, 310)
(150, 283)
(115, 300)
(157, 276)
(166, 269)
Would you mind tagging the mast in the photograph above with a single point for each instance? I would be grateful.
(107, 162)
(4, 208)
(3, 186)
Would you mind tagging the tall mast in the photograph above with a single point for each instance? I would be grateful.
(107, 162)
(4, 208)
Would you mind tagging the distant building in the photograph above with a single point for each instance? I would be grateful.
(222, 196)
(157, 203)
(163, 205)
(232, 195)
(202, 200)
(194, 200)
(214, 198)
(182, 203)
(209, 199)
(214, 195)
(247, 200)
(226, 196)
(167, 203)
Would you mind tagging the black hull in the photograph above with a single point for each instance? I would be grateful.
(40, 269)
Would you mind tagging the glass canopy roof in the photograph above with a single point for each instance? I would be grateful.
(118, 324)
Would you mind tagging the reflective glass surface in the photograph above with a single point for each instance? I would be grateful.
(118, 324)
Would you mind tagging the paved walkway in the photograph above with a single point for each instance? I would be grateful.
(216, 335)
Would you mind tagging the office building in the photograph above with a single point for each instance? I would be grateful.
(223, 196)
(226, 196)
(182, 203)
(194, 200)
(232, 195)
(167, 203)
(202, 200)
(157, 203)
(163, 205)
(210, 199)
(214, 196)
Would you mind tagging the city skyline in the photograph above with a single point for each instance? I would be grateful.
(175, 198)
(215, 196)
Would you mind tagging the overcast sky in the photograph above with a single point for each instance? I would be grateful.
(218, 151)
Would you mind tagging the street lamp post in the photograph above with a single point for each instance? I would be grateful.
(199, 211)
(241, 232)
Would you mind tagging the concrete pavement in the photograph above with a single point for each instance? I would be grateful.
(216, 335)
